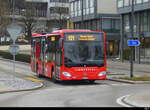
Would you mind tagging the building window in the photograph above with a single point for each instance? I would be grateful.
(106, 23)
(145, 0)
(145, 22)
(120, 3)
(138, 1)
(126, 23)
(126, 2)
(91, 6)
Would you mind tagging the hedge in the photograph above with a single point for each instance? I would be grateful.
(19, 57)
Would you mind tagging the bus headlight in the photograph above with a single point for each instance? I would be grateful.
(102, 73)
(66, 74)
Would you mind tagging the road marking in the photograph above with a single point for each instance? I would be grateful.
(120, 84)
(120, 101)
(33, 79)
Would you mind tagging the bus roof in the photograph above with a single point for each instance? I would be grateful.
(61, 32)
(69, 30)
(41, 35)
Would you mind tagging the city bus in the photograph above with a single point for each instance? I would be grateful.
(69, 55)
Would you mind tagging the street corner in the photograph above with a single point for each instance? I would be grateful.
(138, 100)
(33, 79)
(121, 80)
(134, 80)
(13, 84)
(4, 88)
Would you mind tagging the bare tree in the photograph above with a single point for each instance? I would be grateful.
(29, 19)
(3, 19)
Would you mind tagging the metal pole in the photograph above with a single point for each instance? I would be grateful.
(132, 36)
(13, 20)
(122, 40)
(14, 59)
(13, 13)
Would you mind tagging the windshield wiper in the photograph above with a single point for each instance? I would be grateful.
(100, 65)
(89, 65)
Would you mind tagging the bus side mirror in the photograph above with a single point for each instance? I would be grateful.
(61, 43)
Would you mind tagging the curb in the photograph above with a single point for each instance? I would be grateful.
(114, 74)
(23, 90)
(122, 81)
(134, 103)
(129, 102)
(130, 82)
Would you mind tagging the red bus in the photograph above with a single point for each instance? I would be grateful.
(69, 55)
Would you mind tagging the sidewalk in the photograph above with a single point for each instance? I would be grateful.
(118, 69)
(139, 99)
(9, 83)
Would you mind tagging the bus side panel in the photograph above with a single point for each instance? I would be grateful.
(39, 67)
(47, 68)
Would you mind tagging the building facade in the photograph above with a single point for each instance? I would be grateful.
(141, 26)
(58, 13)
(49, 14)
(98, 15)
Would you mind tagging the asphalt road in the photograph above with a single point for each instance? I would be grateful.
(66, 94)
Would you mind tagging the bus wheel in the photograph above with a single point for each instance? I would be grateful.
(91, 81)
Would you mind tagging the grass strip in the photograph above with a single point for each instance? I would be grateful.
(137, 78)
(19, 57)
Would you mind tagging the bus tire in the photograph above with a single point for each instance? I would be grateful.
(91, 81)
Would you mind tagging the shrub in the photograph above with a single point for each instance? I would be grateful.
(19, 57)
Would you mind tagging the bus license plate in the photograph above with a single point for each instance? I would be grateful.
(84, 77)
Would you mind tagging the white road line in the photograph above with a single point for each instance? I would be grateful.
(120, 101)
(120, 84)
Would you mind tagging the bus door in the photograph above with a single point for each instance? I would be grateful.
(58, 55)
(37, 53)
(52, 56)
(43, 43)
(33, 55)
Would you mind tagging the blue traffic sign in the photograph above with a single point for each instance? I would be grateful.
(133, 43)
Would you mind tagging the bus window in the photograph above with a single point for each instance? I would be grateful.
(53, 52)
(42, 53)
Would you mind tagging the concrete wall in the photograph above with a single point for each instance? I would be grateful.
(107, 6)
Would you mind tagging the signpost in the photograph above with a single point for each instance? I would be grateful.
(14, 49)
(134, 43)
(14, 31)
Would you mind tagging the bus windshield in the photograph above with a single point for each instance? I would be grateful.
(84, 51)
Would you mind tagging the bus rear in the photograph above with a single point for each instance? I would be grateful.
(83, 56)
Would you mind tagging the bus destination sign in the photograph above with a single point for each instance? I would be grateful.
(83, 37)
